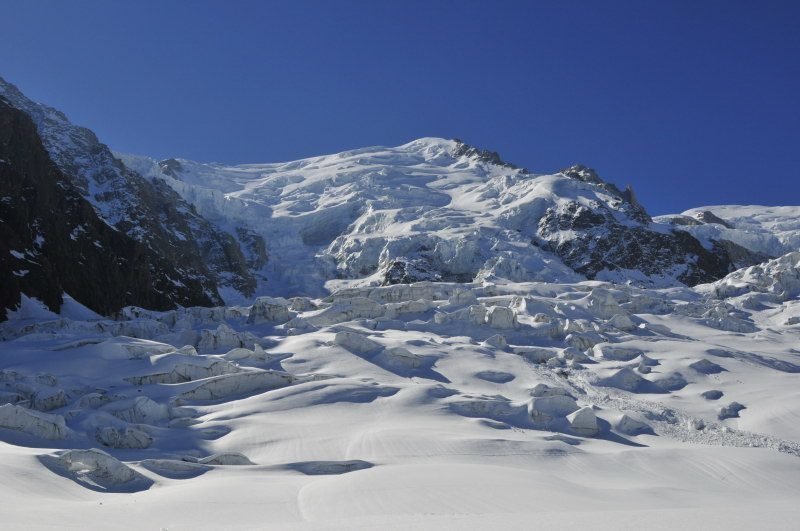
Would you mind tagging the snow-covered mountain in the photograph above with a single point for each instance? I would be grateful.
(766, 231)
(434, 209)
(449, 341)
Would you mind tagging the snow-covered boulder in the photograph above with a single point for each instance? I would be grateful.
(630, 426)
(96, 470)
(123, 438)
(187, 350)
(626, 379)
(48, 399)
(730, 411)
(542, 389)
(671, 382)
(535, 354)
(713, 394)
(545, 409)
(705, 366)
(583, 340)
(139, 410)
(622, 322)
(601, 303)
(497, 341)
(402, 358)
(583, 422)
(461, 297)
(356, 342)
(476, 314)
(571, 353)
(224, 337)
(501, 318)
(175, 468)
(269, 310)
(615, 353)
(34, 423)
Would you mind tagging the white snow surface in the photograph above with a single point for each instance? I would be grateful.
(425, 406)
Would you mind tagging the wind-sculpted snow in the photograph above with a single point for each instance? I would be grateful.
(374, 385)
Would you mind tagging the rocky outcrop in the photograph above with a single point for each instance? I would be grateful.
(484, 155)
(52, 240)
(707, 216)
(197, 256)
(592, 240)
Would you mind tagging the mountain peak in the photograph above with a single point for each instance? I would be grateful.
(583, 173)
(462, 149)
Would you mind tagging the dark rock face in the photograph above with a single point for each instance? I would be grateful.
(403, 271)
(591, 239)
(738, 255)
(709, 217)
(52, 240)
(255, 248)
(149, 211)
(685, 221)
(490, 157)
(602, 243)
(625, 200)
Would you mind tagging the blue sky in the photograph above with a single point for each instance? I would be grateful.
(692, 102)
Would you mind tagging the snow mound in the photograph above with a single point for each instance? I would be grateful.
(627, 380)
(615, 353)
(96, 470)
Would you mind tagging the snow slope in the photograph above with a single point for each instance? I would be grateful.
(431, 405)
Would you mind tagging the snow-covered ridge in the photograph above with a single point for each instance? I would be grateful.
(146, 211)
(769, 230)
(432, 209)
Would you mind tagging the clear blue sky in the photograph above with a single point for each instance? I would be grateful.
(693, 102)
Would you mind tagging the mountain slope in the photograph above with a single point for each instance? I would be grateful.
(52, 241)
(435, 209)
(767, 231)
(146, 210)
